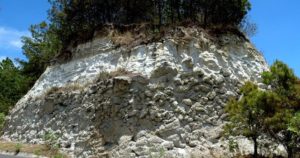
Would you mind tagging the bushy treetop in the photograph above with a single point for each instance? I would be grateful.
(80, 18)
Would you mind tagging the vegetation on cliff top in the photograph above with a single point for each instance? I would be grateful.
(73, 21)
(79, 19)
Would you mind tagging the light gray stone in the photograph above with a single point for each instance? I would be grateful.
(187, 102)
(211, 95)
(188, 62)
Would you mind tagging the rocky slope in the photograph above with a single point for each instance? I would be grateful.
(161, 99)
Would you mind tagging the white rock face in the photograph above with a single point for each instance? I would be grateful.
(168, 103)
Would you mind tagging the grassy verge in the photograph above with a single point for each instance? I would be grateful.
(39, 150)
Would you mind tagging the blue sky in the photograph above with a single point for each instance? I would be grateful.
(278, 34)
(278, 24)
(15, 18)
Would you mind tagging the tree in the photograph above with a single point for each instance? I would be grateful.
(13, 85)
(247, 27)
(39, 49)
(246, 116)
(294, 127)
(73, 17)
(280, 121)
(274, 112)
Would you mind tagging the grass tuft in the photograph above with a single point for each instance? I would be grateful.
(35, 149)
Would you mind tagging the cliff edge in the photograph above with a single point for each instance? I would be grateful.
(163, 98)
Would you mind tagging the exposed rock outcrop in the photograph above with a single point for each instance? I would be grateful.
(165, 98)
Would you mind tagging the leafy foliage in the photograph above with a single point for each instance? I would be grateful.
(2, 119)
(281, 78)
(247, 114)
(275, 113)
(294, 125)
(39, 49)
(281, 120)
(51, 140)
(13, 85)
(75, 19)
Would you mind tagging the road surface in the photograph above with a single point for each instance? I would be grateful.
(12, 156)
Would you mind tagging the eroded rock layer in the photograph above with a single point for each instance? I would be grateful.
(161, 99)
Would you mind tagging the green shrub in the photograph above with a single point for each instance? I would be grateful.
(51, 140)
(13, 85)
(2, 119)
(58, 155)
(233, 145)
(18, 148)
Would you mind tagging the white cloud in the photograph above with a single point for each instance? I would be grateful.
(16, 43)
(2, 58)
(11, 38)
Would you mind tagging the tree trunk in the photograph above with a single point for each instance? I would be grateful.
(290, 152)
(127, 11)
(255, 154)
(288, 142)
(191, 9)
(205, 17)
(160, 12)
(178, 10)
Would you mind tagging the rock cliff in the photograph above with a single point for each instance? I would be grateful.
(160, 99)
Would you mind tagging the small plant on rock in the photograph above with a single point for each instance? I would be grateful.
(2, 119)
(156, 152)
(58, 155)
(233, 145)
(18, 148)
(51, 140)
(37, 152)
(104, 75)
